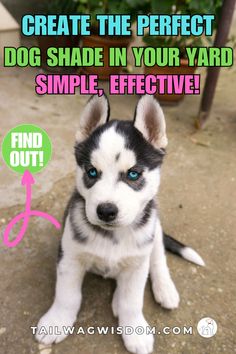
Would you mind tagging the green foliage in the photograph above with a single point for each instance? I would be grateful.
(135, 7)
(188, 7)
(129, 7)
(60, 7)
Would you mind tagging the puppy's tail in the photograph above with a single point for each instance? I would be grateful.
(181, 250)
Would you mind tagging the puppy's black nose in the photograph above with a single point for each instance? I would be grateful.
(107, 211)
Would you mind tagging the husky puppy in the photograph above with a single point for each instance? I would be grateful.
(111, 223)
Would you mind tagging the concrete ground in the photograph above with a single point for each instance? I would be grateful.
(198, 206)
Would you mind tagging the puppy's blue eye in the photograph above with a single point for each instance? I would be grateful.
(92, 173)
(133, 175)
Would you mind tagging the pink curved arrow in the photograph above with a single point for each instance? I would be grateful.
(27, 180)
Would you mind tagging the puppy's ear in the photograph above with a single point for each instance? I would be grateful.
(150, 121)
(95, 113)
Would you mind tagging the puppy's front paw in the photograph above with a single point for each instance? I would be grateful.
(138, 343)
(165, 294)
(52, 327)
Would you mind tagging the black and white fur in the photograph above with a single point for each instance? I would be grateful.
(124, 240)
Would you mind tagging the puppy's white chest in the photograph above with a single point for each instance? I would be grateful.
(106, 266)
(109, 256)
